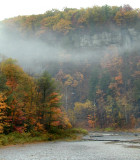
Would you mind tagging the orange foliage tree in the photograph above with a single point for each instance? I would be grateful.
(20, 96)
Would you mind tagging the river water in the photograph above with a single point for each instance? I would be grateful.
(87, 149)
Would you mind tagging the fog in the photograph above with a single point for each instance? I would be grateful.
(33, 54)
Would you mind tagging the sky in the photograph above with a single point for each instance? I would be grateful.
(13, 8)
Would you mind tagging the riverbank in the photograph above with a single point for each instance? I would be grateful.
(74, 134)
(22, 138)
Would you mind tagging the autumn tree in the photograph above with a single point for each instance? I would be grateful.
(20, 95)
(50, 111)
(4, 121)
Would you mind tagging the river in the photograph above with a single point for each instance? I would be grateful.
(92, 147)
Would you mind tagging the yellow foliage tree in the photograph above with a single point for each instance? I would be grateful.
(3, 114)
(63, 26)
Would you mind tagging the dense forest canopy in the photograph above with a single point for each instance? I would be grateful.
(93, 54)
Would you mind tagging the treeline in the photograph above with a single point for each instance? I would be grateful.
(70, 20)
(28, 104)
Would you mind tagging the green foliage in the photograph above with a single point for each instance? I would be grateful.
(79, 131)
(109, 129)
(94, 80)
(3, 86)
(21, 138)
(46, 85)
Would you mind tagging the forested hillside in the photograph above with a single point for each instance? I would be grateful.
(94, 55)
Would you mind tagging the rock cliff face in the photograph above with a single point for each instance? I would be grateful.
(125, 38)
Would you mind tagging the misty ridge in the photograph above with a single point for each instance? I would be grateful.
(33, 54)
(58, 39)
(19, 35)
